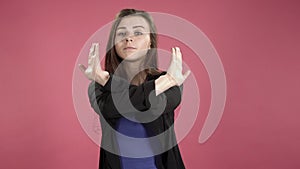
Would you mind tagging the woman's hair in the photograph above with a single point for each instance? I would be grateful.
(112, 60)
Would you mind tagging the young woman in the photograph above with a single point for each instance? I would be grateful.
(133, 97)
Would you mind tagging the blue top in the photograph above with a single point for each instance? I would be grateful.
(131, 148)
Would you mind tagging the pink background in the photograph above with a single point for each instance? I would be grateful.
(257, 41)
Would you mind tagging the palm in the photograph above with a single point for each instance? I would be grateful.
(94, 70)
(175, 68)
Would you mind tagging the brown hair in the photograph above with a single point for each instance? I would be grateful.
(112, 60)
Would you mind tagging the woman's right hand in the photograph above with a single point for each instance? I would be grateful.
(94, 70)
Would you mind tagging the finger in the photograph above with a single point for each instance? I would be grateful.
(173, 55)
(91, 61)
(178, 59)
(96, 49)
(91, 53)
(97, 61)
(178, 55)
(82, 67)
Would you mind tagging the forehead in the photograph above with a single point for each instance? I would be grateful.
(131, 21)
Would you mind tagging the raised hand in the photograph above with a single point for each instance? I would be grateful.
(94, 70)
(175, 68)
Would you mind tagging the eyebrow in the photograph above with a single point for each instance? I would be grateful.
(138, 26)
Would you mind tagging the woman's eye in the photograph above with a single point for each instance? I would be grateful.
(121, 34)
(138, 33)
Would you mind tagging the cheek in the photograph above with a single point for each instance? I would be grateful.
(145, 43)
(119, 52)
(118, 48)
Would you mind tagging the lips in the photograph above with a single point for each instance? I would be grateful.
(129, 48)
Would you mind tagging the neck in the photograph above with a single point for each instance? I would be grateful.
(132, 68)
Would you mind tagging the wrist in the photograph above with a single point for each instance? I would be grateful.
(163, 83)
(101, 81)
(171, 79)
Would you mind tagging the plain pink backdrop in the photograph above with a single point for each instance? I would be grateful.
(258, 43)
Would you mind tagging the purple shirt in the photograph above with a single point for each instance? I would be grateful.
(128, 147)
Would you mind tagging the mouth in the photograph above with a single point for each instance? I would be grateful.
(129, 48)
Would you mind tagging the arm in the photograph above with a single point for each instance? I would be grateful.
(142, 97)
(131, 97)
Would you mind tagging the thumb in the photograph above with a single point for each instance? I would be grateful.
(186, 74)
(82, 67)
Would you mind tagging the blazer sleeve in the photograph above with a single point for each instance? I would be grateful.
(118, 97)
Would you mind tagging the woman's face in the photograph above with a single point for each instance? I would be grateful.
(132, 39)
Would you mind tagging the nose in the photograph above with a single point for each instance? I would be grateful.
(129, 39)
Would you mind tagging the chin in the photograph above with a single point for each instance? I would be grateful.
(133, 57)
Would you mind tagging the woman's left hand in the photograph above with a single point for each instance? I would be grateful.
(175, 69)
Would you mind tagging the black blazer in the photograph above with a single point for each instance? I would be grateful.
(101, 99)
